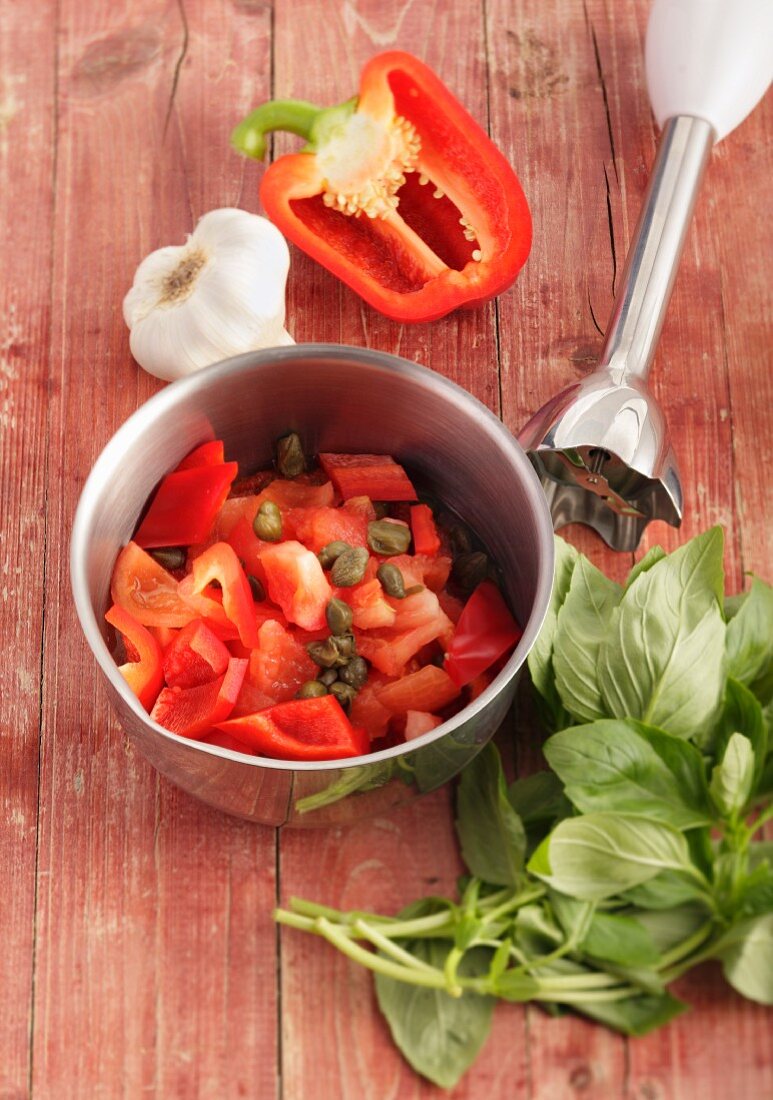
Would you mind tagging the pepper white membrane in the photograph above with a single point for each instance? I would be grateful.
(219, 294)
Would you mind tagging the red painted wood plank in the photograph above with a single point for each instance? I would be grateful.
(156, 955)
(27, 49)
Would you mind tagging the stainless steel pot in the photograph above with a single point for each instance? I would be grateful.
(339, 399)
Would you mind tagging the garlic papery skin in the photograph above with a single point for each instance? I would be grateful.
(219, 294)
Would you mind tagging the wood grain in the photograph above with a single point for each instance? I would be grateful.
(27, 80)
(155, 955)
(140, 956)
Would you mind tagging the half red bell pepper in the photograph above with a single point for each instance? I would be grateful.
(143, 670)
(446, 223)
(486, 629)
(185, 505)
(301, 729)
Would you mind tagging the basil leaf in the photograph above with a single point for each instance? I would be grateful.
(538, 797)
(490, 832)
(669, 927)
(601, 854)
(653, 555)
(746, 952)
(581, 627)
(631, 768)
(662, 658)
(611, 937)
(620, 939)
(757, 892)
(666, 889)
(749, 643)
(439, 1035)
(540, 659)
(741, 712)
(634, 1015)
(731, 781)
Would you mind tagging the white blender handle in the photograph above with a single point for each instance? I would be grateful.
(710, 59)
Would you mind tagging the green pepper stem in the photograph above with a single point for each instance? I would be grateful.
(295, 115)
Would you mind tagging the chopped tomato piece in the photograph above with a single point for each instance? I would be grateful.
(144, 588)
(360, 506)
(297, 494)
(196, 656)
(164, 635)
(142, 671)
(390, 652)
(485, 631)
(184, 506)
(220, 563)
(225, 741)
(316, 527)
(194, 710)
(452, 606)
(376, 476)
(435, 571)
(207, 454)
(428, 689)
(370, 609)
(425, 537)
(368, 712)
(302, 729)
(296, 581)
(280, 664)
(418, 722)
(251, 699)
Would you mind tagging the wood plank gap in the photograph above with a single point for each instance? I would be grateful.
(177, 66)
(43, 620)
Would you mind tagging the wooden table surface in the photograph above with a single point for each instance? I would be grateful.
(138, 953)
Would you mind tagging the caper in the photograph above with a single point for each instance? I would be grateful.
(256, 588)
(414, 589)
(312, 689)
(355, 673)
(349, 567)
(290, 459)
(344, 693)
(388, 538)
(461, 542)
(470, 569)
(339, 616)
(329, 553)
(171, 557)
(334, 652)
(267, 524)
(391, 580)
(328, 676)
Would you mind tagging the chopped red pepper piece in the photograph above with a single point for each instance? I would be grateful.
(376, 476)
(220, 563)
(426, 540)
(184, 506)
(196, 656)
(194, 710)
(142, 671)
(446, 223)
(486, 629)
(144, 588)
(207, 454)
(301, 729)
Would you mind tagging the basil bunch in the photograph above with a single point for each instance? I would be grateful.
(594, 885)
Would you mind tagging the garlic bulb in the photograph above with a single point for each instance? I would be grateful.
(219, 294)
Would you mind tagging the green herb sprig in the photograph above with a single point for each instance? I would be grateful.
(594, 885)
